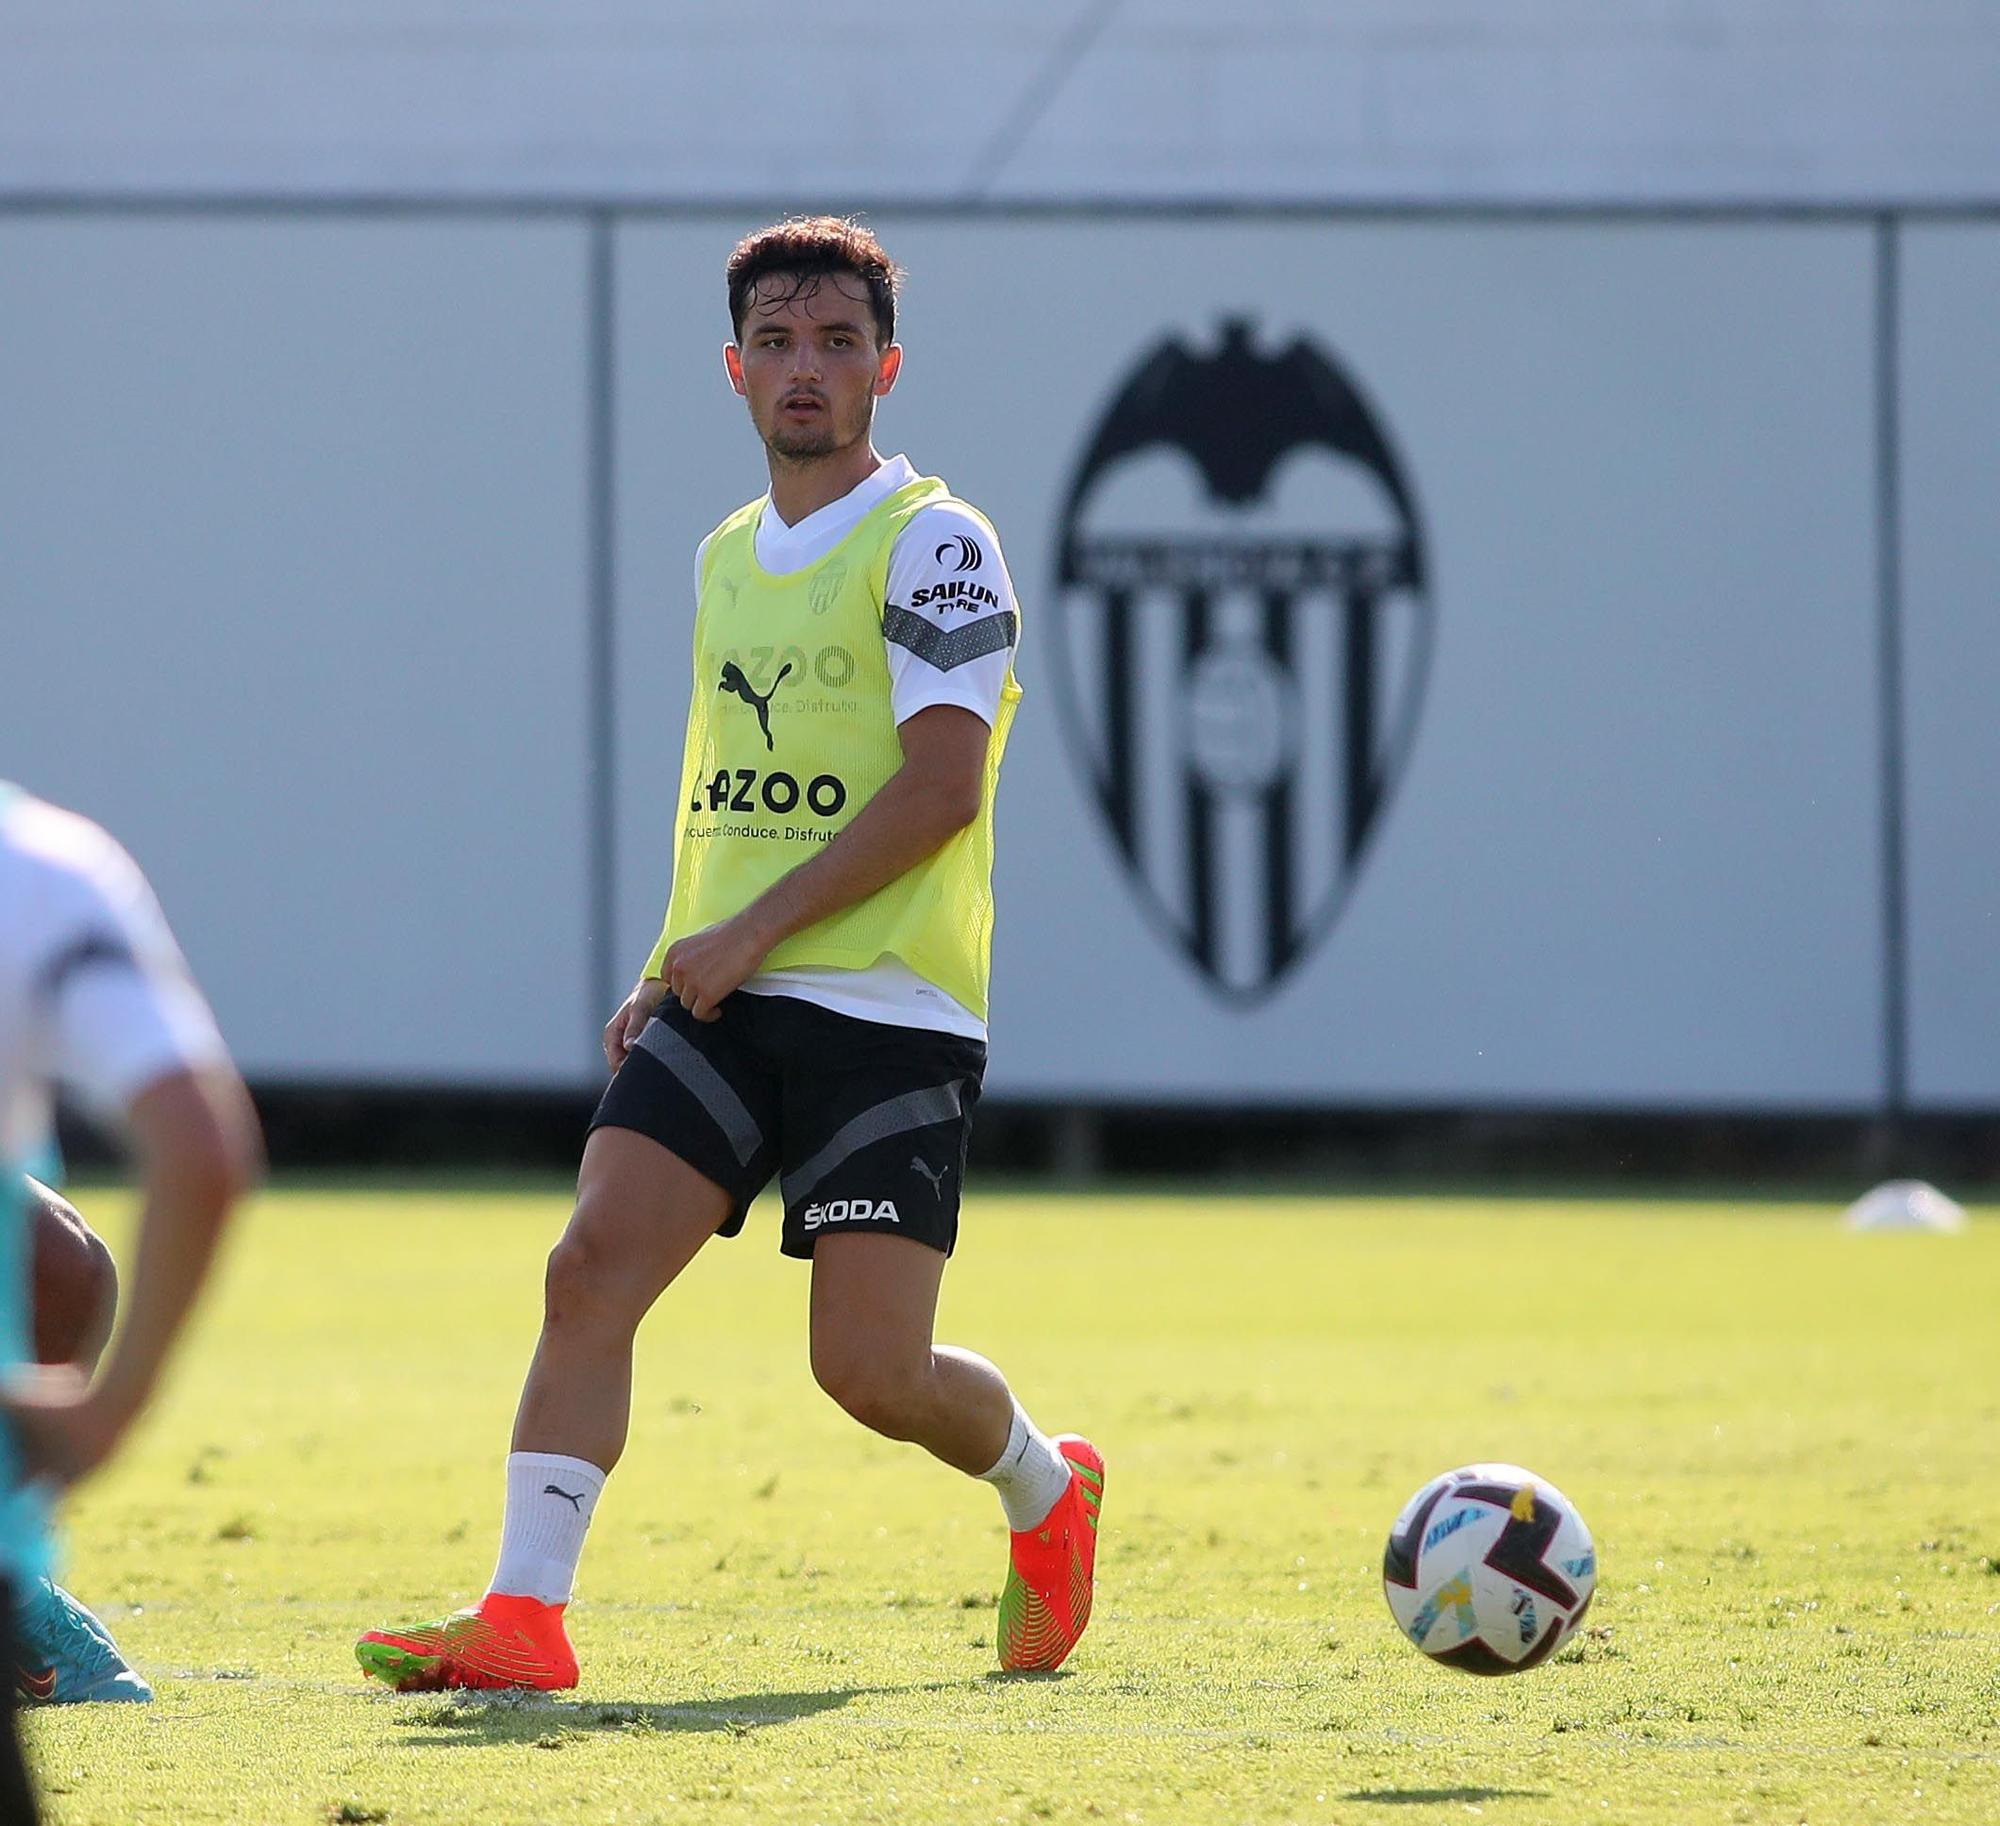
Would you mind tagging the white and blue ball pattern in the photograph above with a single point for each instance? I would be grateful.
(1489, 1569)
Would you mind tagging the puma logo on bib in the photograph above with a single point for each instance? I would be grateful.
(737, 685)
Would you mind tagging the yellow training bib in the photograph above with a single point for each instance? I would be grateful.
(791, 731)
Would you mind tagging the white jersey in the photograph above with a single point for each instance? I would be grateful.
(94, 993)
(945, 568)
(93, 996)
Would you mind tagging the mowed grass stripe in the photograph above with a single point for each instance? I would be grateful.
(1782, 1436)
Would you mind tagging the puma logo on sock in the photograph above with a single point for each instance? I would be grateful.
(572, 1497)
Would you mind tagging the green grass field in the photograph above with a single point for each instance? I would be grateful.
(1786, 1438)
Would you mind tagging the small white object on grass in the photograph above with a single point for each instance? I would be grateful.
(1905, 1204)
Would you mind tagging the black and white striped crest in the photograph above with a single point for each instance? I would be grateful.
(1243, 630)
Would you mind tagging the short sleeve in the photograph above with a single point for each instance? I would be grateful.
(949, 618)
(122, 1010)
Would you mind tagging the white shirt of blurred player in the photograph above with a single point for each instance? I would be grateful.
(94, 993)
(926, 553)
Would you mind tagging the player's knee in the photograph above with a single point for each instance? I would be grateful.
(871, 1390)
(584, 1283)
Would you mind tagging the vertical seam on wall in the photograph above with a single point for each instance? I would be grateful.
(600, 510)
(1889, 651)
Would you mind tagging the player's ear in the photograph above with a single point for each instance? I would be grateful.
(732, 363)
(890, 366)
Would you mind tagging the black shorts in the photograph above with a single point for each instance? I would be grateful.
(864, 1124)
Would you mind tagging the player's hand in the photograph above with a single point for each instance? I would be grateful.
(622, 1031)
(63, 1428)
(707, 967)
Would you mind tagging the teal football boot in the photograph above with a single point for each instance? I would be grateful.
(63, 1656)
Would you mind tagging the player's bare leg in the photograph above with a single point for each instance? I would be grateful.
(874, 1306)
(641, 1216)
(63, 1653)
(874, 1302)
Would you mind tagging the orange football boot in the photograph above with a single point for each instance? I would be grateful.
(1046, 1605)
(503, 1641)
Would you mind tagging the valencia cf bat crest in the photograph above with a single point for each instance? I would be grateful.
(1244, 629)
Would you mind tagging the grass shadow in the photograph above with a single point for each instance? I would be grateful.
(459, 1720)
(1433, 1797)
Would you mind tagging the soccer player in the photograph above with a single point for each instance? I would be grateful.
(64, 1655)
(94, 994)
(815, 1008)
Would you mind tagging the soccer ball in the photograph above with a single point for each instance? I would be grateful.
(1489, 1569)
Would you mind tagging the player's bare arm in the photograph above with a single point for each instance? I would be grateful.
(930, 800)
(933, 797)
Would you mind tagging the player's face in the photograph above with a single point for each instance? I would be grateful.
(809, 366)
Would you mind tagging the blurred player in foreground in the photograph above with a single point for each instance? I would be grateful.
(94, 996)
(821, 1020)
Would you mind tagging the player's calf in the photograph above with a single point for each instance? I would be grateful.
(886, 1396)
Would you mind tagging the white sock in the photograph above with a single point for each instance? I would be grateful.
(1031, 1475)
(549, 1503)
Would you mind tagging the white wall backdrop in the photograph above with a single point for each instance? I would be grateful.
(1404, 100)
(296, 596)
(292, 598)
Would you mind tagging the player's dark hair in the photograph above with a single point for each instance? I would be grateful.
(806, 249)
